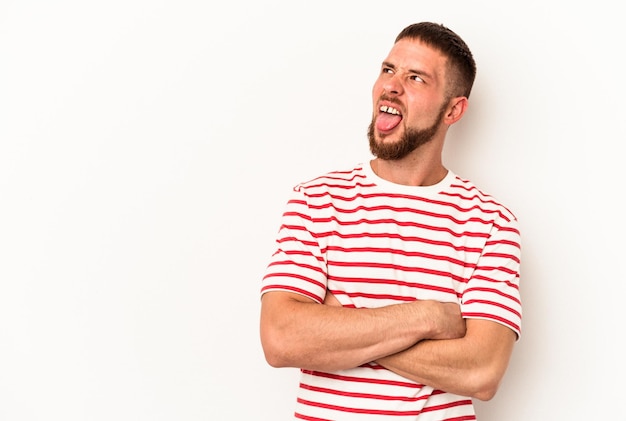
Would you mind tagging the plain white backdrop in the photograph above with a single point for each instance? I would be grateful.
(147, 149)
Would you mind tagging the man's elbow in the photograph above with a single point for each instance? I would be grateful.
(487, 385)
(275, 349)
(485, 393)
(275, 358)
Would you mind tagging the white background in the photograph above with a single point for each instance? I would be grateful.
(147, 149)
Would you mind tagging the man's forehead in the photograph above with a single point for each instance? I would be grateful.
(413, 52)
(415, 57)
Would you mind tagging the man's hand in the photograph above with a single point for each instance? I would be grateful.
(331, 300)
(448, 319)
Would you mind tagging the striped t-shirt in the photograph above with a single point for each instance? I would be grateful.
(373, 243)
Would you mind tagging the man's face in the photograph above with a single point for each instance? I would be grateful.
(409, 100)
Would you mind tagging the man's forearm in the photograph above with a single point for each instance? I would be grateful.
(296, 332)
(471, 366)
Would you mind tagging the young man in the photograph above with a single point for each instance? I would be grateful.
(395, 285)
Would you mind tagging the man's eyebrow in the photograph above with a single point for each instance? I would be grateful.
(412, 71)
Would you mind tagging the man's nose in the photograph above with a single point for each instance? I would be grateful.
(393, 85)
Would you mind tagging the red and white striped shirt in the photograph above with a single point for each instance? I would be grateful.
(373, 243)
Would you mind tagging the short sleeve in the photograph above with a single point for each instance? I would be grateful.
(298, 264)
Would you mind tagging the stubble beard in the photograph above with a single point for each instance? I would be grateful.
(411, 140)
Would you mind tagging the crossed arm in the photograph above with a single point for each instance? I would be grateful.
(470, 366)
(425, 341)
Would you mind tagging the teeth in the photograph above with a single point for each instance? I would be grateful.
(390, 110)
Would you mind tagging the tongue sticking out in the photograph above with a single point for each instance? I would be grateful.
(386, 121)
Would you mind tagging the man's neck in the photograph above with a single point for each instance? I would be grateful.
(410, 171)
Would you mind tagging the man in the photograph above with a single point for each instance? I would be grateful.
(395, 285)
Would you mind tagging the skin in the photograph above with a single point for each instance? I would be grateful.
(425, 341)
(298, 332)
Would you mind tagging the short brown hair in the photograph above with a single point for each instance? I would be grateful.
(460, 59)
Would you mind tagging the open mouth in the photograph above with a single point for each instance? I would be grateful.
(388, 118)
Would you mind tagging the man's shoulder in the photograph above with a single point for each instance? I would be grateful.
(469, 192)
(346, 178)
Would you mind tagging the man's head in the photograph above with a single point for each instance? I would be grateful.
(421, 90)
(461, 64)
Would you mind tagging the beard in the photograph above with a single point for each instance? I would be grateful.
(411, 139)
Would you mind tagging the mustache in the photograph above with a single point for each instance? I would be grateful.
(391, 99)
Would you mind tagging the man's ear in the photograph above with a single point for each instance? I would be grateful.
(456, 109)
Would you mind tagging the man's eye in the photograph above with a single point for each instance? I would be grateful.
(387, 70)
(417, 78)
